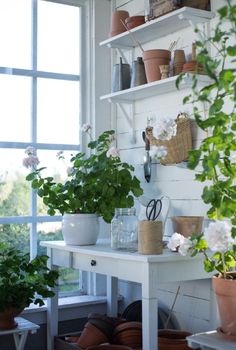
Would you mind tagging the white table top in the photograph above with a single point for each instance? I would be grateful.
(23, 325)
(102, 248)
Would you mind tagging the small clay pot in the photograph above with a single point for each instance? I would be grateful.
(179, 56)
(116, 22)
(91, 336)
(134, 21)
(186, 225)
(170, 339)
(105, 323)
(7, 318)
(152, 61)
(128, 334)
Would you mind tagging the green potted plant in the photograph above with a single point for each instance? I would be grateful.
(215, 161)
(96, 185)
(22, 282)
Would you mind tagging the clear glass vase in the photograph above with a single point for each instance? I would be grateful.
(124, 230)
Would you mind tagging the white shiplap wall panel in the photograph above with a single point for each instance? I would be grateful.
(193, 308)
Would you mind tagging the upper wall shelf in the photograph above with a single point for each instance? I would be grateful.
(154, 29)
(152, 89)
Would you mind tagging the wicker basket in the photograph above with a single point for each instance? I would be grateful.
(198, 4)
(178, 146)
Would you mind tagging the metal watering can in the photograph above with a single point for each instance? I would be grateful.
(121, 76)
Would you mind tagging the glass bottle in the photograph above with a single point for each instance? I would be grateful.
(124, 230)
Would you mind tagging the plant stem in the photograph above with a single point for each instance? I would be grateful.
(223, 262)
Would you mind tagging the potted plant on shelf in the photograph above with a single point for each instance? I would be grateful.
(96, 185)
(22, 282)
(215, 161)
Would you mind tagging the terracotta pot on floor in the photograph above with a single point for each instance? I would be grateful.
(109, 347)
(152, 60)
(91, 336)
(225, 291)
(170, 339)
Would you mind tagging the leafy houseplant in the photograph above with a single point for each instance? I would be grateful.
(96, 184)
(216, 157)
(22, 282)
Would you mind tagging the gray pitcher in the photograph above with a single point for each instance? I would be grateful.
(121, 76)
(138, 76)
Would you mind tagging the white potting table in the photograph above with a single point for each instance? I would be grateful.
(210, 341)
(148, 270)
(20, 333)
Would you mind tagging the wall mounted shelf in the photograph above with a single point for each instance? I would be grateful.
(159, 27)
(152, 89)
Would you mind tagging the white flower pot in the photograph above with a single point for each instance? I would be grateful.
(80, 229)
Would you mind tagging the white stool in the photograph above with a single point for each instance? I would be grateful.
(21, 332)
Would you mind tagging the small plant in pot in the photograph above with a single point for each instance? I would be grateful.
(216, 162)
(22, 282)
(96, 185)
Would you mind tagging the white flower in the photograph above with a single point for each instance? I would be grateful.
(218, 236)
(86, 127)
(30, 161)
(158, 152)
(165, 129)
(232, 157)
(30, 150)
(185, 247)
(113, 152)
(175, 241)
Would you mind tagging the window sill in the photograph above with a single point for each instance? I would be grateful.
(69, 308)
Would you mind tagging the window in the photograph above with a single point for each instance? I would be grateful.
(40, 107)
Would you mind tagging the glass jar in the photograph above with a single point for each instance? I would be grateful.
(124, 230)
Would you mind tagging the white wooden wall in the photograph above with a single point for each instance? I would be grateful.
(195, 306)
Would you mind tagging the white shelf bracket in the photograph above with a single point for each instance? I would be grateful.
(130, 118)
(121, 53)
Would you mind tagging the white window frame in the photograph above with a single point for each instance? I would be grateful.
(34, 219)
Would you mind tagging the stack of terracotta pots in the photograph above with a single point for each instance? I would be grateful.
(153, 59)
(179, 61)
(117, 26)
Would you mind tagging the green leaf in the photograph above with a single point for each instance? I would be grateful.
(231, 50)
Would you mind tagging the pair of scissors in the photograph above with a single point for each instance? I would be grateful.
(152, 212)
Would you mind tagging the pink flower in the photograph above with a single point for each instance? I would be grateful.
(30, 151)
(113, 152)
(30, 161)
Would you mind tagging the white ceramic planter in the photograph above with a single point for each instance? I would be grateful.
(80, 229)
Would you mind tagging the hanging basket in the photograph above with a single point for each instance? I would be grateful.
(178, 146)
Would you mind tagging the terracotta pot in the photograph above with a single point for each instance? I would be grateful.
(134, 21)
(170, 339)
(186, 225)
(225, 291)
(104, 323)
(128, 334)
(91, 336)
(116, 22)
(179, 56)
(152, 60)
(7, 318)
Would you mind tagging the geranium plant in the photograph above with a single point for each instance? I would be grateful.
(215, 158)
(96, 184)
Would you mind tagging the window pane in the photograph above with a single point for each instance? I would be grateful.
(14, 189)
(57, 168)
(15, 108)
(58, 38)
(69, 278)
(58, 111)
(16, 235)
(15, 33)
